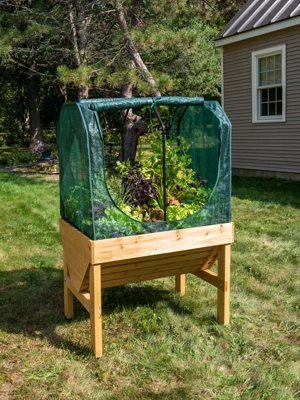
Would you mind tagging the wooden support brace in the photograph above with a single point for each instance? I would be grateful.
(213, 279)
(209, 262)
(96, 309)
(180, 284)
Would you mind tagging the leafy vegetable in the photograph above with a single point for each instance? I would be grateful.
(139, 190)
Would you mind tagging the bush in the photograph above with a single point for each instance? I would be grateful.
(17, 158)
(41, 148)
(2, 141)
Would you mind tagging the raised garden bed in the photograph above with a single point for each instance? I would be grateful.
(105, 246)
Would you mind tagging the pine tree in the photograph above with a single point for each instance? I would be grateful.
(23, 35)
(113, 48)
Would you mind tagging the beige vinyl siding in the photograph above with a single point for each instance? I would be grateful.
(268, 146)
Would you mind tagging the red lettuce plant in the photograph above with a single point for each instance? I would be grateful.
(141, 190)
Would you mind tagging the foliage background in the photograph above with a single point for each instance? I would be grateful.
(51, 52)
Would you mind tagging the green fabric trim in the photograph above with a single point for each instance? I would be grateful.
(133, 102)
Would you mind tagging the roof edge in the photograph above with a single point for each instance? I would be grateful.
(258, 32)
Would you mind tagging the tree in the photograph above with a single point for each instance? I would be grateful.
(216, 12)
(22, 49)
(113, 48)
(78, 21)
(134, 126)
(12, 106)
(86, 30)
(172, 49)
(170, 40)
(159, 48)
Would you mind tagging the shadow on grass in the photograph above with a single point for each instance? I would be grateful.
(273, 191)
(170, 394)
(132, 296)
(32, 304)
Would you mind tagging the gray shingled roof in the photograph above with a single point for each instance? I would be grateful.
(258, 13)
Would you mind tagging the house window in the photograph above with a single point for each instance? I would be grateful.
(268, 85)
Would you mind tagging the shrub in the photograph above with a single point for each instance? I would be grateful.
(17, 158)
(40, 148)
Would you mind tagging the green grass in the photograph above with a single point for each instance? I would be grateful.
(156, 345)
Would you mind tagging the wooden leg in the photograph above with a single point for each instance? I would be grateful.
(180, 284)
(69, 301)
(96, 310)
(224, 292)
(68, 295)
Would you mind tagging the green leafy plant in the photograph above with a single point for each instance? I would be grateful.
(119, 193)
(115, 224)
(17, 158)
(41, 148)
(77, 202)
(141, 187)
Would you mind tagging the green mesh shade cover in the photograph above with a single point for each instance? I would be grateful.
(85, 200)
(200, 129)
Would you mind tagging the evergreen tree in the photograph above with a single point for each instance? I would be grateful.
(85, 29)
(13, 115)
(113, 48)
(23, 50)
(174, 46)
(169, 51)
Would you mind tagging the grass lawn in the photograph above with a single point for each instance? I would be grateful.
(156, 344)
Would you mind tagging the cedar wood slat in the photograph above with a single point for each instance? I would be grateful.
(148, 276)
(154, 268)
(153, 244)
(148, 264)
(80, 252)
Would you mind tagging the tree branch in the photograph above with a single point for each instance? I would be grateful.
(133, 51)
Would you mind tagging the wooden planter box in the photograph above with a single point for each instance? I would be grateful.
(90, 266)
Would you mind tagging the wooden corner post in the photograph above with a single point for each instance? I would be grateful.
(96, 309)
(68, 295)
(180, 284)
(223, 314)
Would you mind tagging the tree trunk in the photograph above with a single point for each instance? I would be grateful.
(74, 34)
(20, 108)
(34, 110)
(130, 140)
(78, 29)
(132, 50)
(63, 91)
(82, 92)
(134, 127)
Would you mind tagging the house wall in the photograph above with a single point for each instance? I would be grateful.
(266, 149)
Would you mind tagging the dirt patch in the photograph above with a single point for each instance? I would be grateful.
(47, 169)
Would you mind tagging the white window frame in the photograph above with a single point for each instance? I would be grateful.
(256, 55)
